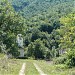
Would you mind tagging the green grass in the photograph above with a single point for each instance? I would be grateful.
(10, 66)
(51, 69)
(30, 68)
(13, 66)
(1, 55)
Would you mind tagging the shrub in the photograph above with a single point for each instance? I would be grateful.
(61, 66)
(39, 49)
(70, 58)
(36, 49)
(59, 60)
(30, 51)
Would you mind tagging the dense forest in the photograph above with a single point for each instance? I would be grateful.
(47, 27)
(29, 8)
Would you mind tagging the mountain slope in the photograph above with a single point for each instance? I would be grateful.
(32, 7)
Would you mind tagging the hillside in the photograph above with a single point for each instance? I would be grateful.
(30, 8)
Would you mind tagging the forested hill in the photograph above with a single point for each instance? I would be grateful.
(30, 8)
(47, 26)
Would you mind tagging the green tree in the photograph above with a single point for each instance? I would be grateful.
(10, 25)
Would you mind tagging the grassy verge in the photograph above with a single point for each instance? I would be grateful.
(51, 69)
(13, 66)
(10, 66)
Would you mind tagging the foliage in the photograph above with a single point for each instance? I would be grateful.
(67, 38)
(36, 49)
(10, 25)
(71, 58)
(29, 8)
(59, 60)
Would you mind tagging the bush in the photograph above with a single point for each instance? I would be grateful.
(30, 51)
(70, 58)
(47, 56)
(36, 49)
(61, 66)
(39, 49)
(59, 60)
